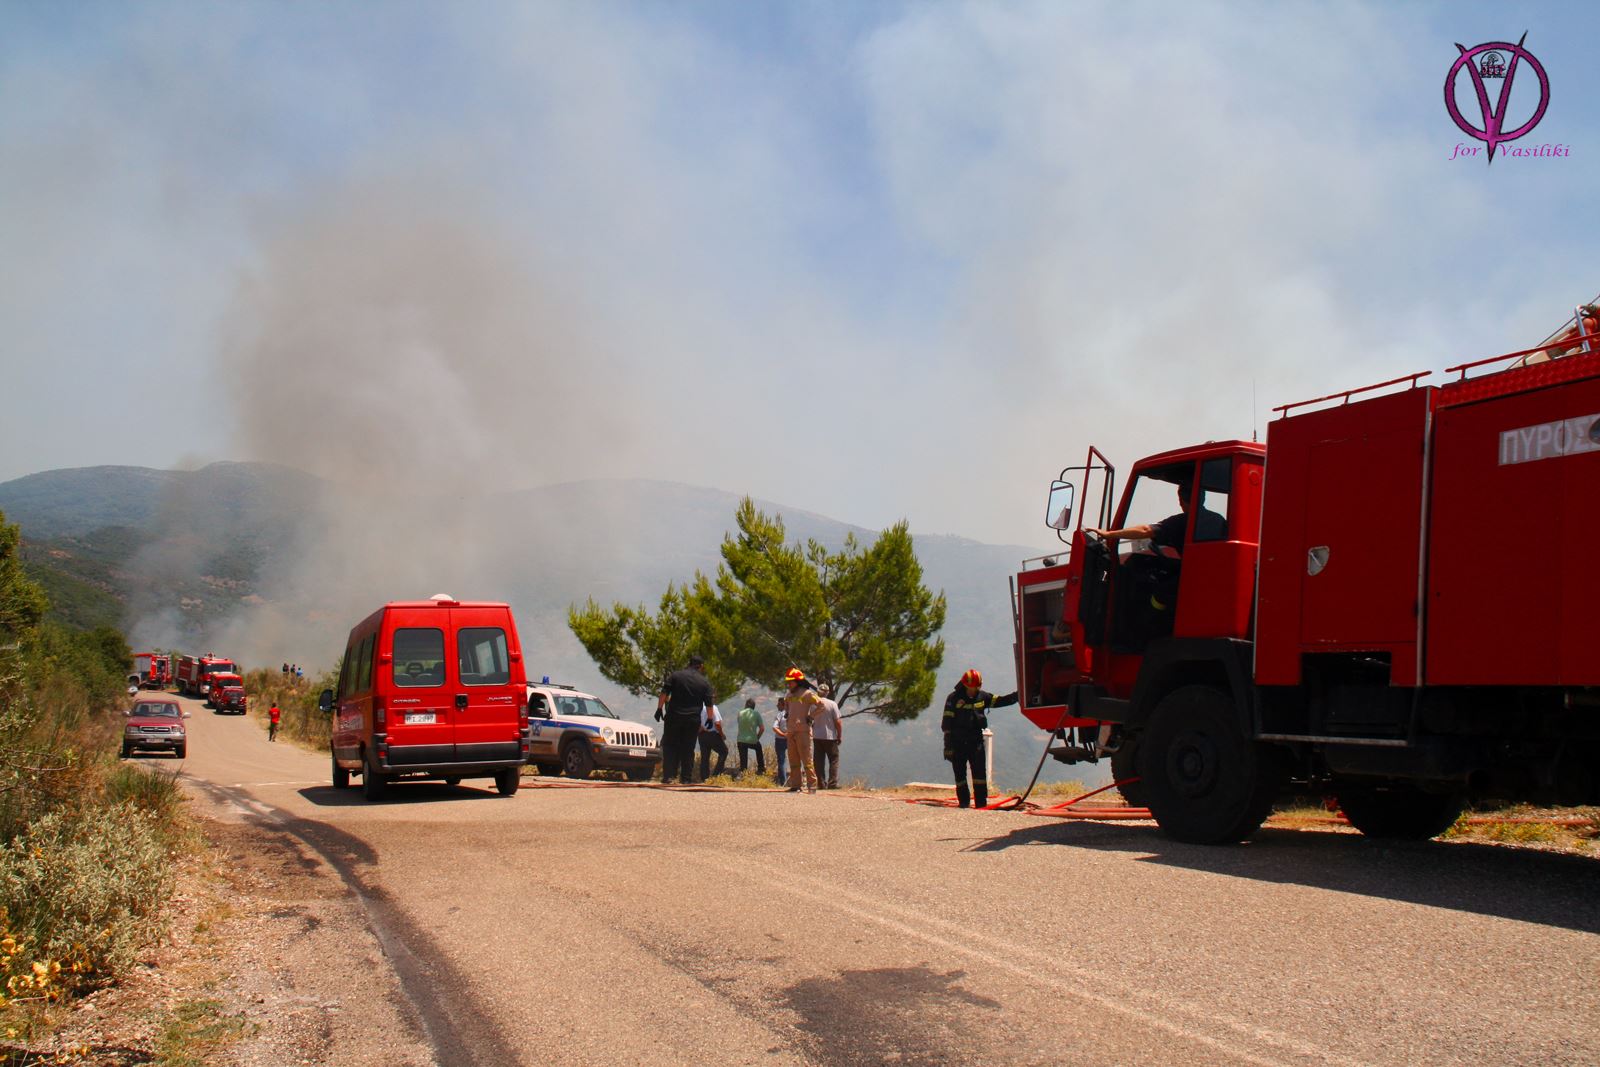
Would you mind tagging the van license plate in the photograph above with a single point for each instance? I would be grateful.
(416, 717)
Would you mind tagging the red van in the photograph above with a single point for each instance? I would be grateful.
(430, 689)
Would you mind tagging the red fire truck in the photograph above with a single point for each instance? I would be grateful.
(1391, 602)
(194, 673)
(226, 692)
(155, 669)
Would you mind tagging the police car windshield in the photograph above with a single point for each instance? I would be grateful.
(590, 706)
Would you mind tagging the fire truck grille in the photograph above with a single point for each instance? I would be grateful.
(633, 740)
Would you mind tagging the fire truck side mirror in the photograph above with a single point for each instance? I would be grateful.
(1058, 510)
(325, 701)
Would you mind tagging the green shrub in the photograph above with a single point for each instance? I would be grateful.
(82, 892)
(149, 790)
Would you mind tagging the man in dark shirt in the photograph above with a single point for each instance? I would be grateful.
(685, 695)
(1172, 531)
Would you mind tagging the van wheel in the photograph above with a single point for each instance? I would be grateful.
(1207, 783)
(373, 784)
(507, 779)
(576, 761)
(1400, 812)
(341, 776)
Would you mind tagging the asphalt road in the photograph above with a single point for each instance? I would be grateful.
(626, 925)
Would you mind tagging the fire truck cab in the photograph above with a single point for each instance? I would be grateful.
(1378, 620)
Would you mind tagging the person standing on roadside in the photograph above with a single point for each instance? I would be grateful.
(685, 695)
(712, 739)
(272, 720)
(826, 730)
(750, 730)
(965, 719)
(802, 703)
(780, 741)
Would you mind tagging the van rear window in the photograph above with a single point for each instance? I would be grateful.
(483, 655)
(418, 657)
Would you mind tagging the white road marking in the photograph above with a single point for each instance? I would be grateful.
(248, 785)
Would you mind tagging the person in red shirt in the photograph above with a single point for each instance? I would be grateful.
(272, 721)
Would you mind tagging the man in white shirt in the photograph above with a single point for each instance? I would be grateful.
(827, 729)
(712, 740)
(780, 741)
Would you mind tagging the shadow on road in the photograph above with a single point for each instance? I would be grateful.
(326, 796)
(896, 1015)
(1548, 888)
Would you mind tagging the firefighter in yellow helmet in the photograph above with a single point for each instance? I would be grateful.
(965, 718)
(801, 706)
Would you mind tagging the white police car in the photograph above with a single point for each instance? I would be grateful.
(574, 733)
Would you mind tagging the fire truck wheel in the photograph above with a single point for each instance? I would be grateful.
(1125, 764)
(341, 776)
(576, 761)
(507, 779)
(1205, 781)
(373, 784)
(1402, 812)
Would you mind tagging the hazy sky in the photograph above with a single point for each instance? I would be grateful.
(871, 260)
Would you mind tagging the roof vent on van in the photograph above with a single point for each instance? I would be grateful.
(443, 598)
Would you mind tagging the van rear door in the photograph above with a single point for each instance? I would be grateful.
(418, 712)
(489, 694)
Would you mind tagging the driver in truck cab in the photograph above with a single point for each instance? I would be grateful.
(1171, 531)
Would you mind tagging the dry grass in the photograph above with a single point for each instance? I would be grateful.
(1550, 829)
(196, 1032)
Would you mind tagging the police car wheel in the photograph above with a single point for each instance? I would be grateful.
(576, 761)
(548, 770)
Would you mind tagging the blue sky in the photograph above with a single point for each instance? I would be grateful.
(876, 261)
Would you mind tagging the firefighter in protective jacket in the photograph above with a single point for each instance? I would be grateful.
(965, 718)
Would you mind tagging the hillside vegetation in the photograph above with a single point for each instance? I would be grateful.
(87, 845)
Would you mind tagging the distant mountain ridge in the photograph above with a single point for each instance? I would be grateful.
(204, 558)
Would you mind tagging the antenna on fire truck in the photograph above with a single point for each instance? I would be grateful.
(1253, 410)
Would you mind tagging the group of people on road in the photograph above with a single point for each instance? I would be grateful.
(806, 732)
